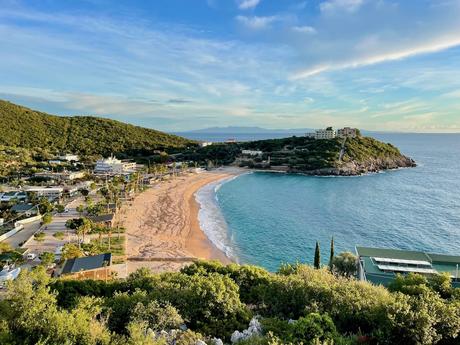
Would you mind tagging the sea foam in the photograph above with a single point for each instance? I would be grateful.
(211, 219)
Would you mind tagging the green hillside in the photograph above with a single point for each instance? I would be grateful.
(26, 128)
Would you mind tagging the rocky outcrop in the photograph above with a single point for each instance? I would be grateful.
(354, 168)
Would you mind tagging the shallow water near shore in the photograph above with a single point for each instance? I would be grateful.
(267, 219)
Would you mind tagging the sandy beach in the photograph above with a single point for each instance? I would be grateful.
(162, 226)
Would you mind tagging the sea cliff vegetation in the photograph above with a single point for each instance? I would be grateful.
(351, 156)
(206, 301)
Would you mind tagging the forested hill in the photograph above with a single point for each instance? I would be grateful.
(26, 128)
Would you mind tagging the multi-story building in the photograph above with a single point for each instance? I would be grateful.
(347, 132)
(114, 166)
(320, 134)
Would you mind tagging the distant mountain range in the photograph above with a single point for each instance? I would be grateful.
(246, 130)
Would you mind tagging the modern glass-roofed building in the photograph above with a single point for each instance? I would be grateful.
(380, 266)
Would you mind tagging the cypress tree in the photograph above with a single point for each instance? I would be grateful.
(332, 253)
(317, 262)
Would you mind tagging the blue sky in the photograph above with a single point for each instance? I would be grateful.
(188, 64)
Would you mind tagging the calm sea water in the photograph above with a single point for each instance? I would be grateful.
(275, 218)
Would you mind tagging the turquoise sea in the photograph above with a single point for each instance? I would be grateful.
(267, 218)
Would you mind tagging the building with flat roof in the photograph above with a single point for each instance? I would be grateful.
(347, 132)
(88, 267)
(380, 266)
(114, 166)
(252, 152)
(321, 134)
(61, 176)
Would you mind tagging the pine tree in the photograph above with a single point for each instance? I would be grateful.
(317, 262)
(331, 258)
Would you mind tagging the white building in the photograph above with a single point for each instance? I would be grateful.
(252, 152)
(46, 192)
(69, 157)
(205, 143)
(113, 165)
(347, 132)
(61, 176)
(321, 134)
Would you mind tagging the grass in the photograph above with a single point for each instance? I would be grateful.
(117, 247)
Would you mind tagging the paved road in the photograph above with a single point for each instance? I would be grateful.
(23, 235)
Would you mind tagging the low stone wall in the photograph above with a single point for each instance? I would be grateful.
(18, 226)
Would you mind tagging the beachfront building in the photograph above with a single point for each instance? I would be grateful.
(252, 152)
(347, 132)
(205, 143)
(380, 266)
(89, 267)
(321, 134)
(114, 166)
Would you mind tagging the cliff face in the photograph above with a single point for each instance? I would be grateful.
(354, 168)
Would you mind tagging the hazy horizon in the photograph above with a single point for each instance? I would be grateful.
(176, 66)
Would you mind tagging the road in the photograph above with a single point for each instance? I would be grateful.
(23, 235)
(50, 243)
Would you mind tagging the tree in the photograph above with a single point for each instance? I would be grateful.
(5, 247)
(83, 229)
(39, 236)
(45, 206)
(47, 218)
(60, 208)
(345, 264)
(71, 251)
(80, 209)
(317, 260)
(331, 257)
(47, 258)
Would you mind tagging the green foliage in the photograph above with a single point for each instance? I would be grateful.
(326, 308)
(47, 218)
(29, 129)
(39, 236)
(47, 258)
(345, 264)
(71, 251)
(59, 235)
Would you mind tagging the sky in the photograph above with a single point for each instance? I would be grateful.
(178, 65)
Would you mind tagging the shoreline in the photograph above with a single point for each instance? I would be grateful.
(163, 228)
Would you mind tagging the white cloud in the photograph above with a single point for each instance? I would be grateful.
(390, 55)
(247, 4)
(340, 5)
(257, 23)
(304, 29)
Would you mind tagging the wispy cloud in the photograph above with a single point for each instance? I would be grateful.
(247, 4)
(257, 23)
(305, 29)
(424, 48)
(340, 5)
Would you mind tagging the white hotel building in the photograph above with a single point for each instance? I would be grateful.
(114, 166)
